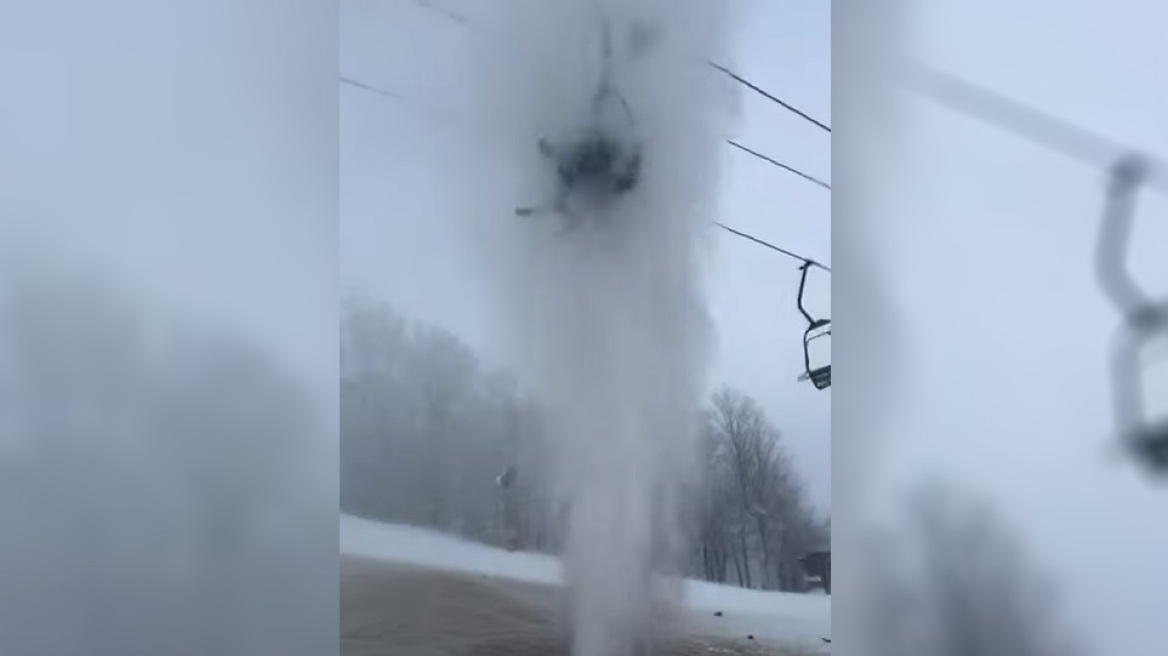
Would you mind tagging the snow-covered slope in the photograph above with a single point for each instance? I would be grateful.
(782, 617)
(416, 546)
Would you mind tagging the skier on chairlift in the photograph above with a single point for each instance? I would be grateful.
(596, 167)
(602, 163)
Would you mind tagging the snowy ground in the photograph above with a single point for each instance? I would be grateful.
(790, 620)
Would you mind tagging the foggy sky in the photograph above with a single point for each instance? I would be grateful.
(393, 245)
(989, 243)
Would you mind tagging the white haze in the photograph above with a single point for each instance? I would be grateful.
(167, 329)
(608, 325)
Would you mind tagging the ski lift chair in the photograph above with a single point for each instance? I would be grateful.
(1151, 445)
(820, 377)
(1146, 437)
(1145, 320)
(606, 157)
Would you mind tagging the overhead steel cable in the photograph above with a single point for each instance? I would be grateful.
(368, 87)
(463, 20)
(447, 13)
(790, 254)
(769, 96)
(779, 164)
(1029, 123)
(770, 160)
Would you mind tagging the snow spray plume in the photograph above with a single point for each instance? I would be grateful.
(608, 322)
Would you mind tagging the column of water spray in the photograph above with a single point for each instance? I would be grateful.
(608, 319)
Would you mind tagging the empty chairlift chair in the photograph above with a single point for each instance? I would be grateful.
(820, 377)
(1145, 320)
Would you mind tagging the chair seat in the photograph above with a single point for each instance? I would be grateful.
(821, 377)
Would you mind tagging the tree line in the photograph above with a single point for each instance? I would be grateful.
(430, 437)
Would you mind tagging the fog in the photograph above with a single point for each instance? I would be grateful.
(980, 340)
(167, 330)
(608, 320)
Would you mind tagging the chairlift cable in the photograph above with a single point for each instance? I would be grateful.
(769, 96)
(739, 233)
(449, 14)
(1027, 122)
(791, 254)
(624, 104)
(725, 70)
(774, 162)
(820, 377)
(372, 89)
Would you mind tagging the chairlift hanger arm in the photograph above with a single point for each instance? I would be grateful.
(1141, 312)
(1126, 177)
(803, 286)
(812, 323)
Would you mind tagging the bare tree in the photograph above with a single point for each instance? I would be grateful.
(767, 493)
(426, 432)
(738, 422)
(757, 517)
(712, 504)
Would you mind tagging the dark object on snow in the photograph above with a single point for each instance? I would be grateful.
(818, 564)
(827, 640)
(750, 637)
(717, 613)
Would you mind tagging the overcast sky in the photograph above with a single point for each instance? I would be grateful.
(392, 246)
(989, 243)
(201, 192)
